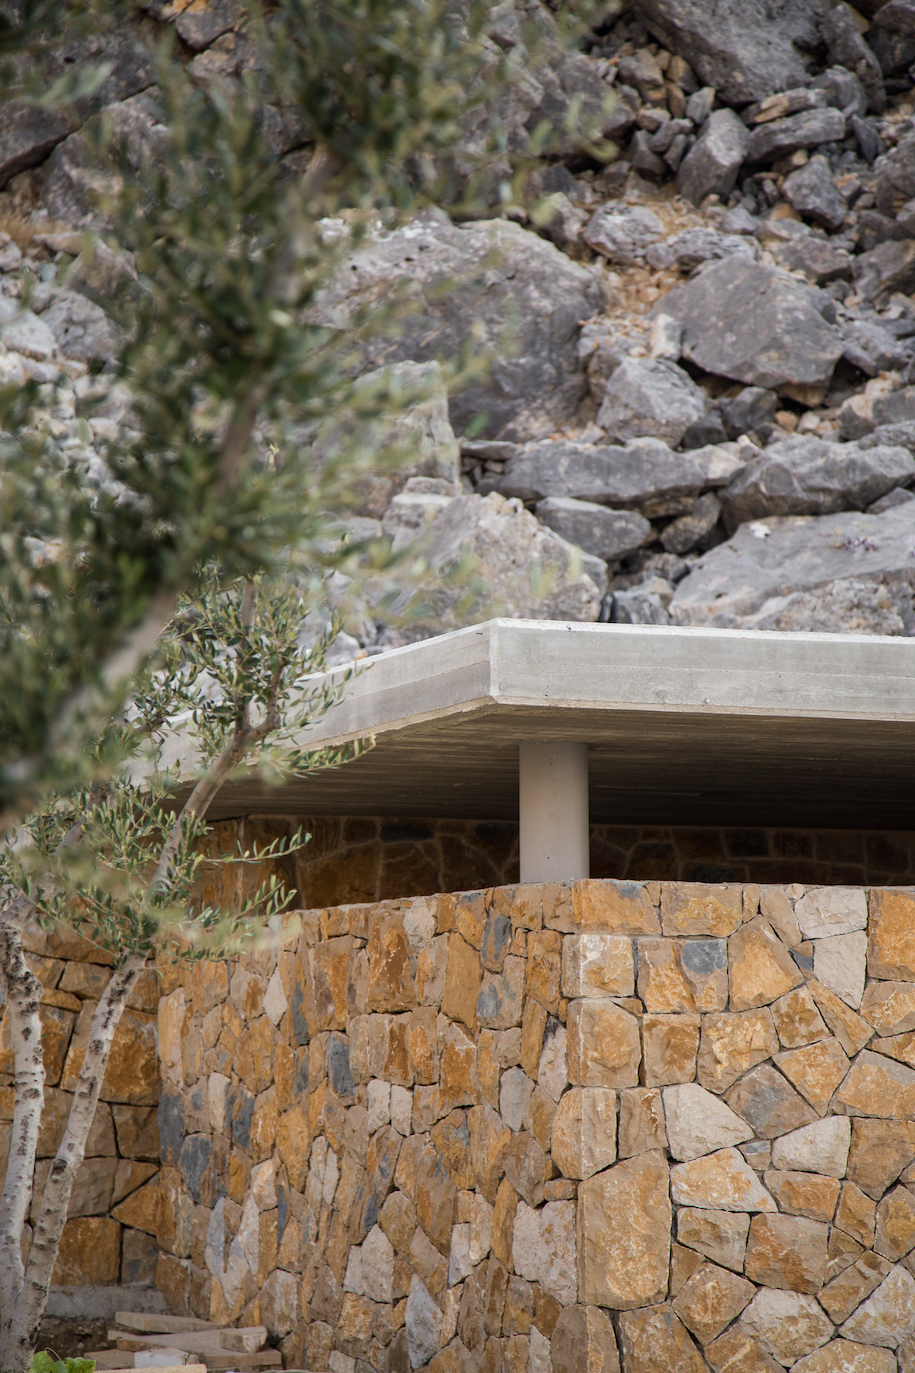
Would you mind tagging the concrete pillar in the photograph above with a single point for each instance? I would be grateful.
(553, 792)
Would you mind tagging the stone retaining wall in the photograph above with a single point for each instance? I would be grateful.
(102, 1241)
(545, 1129)
(366, 858)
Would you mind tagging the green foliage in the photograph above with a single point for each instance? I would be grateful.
(47, 1362)
(220, 251)
(238, 675)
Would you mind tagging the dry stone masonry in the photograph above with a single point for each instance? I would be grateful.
(600, 1126)
(109, 1236)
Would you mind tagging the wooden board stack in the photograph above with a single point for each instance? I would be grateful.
(180, 1344)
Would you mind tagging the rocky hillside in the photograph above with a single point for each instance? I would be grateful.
(705, 411)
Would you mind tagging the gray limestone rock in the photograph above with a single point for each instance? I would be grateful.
(888, 267)
(812, 192)
(902, 432)
(711, 165)
(847, 573)
(423, 1324)
(898, 496)
(803, 475)
(643, 604)
(898, 407)
(684, 533)
(842, 89)
(755, 324)
(498, 270)
(489, 556)
(621, 233)
(846, 48)
(28, 134)
(892, 36)
(608, 534)
(808, 129)
(744, 51)
(895, 176)
(72, 176)
(873, 349)
(819, 260)
(650, 398)
(81, 328)
(645, 475)
(694, 246)
(750, 408)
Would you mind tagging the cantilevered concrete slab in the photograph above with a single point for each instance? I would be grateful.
(682, 727)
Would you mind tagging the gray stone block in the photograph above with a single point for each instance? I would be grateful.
(712, 164)
(608, 534)
(750, 322)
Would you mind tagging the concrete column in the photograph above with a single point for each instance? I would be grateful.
(553, 791)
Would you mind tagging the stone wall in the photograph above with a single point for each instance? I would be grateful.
(106, 1239)
(377, 859)
(553, 1129)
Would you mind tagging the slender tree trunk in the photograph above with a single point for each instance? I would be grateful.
(23, 1296)
(56, 1200)
(23, 998)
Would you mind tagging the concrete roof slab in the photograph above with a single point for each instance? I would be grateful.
(685, 726)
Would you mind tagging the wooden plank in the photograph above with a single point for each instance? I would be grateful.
(156, 1323)
(205, 1346)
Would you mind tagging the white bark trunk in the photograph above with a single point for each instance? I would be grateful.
(56, 1200)
(23, 997)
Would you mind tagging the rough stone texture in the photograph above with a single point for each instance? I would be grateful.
(645, 475)
(833, 573)
(803, 475)
(699, 1123)
(604, 1047)
(721, 1181)
(788, 1325)
(398, 1155)
(624, 1234)
(751, 323)
(732, 1044)
(844, 1356)
(818, 1148)
(760, 969)
(503, 539)
(712, 164)
(787, 1251)
(710, 1299)
(584, 1131)
(655, 1340)
(540, 383)
(741, 53)
(888, 1316)
(650, 397)
(607, 534)
(720, 1235)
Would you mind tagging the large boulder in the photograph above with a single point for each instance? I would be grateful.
(745, 50)
(849, 573)
(803, 475)
(467, 288)
(643, 475)
(756, 325)
(29, 132)
(489, 556)
(650, 397)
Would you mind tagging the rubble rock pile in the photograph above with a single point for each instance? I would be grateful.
(702, 354)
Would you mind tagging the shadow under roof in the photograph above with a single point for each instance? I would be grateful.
(685, 727)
